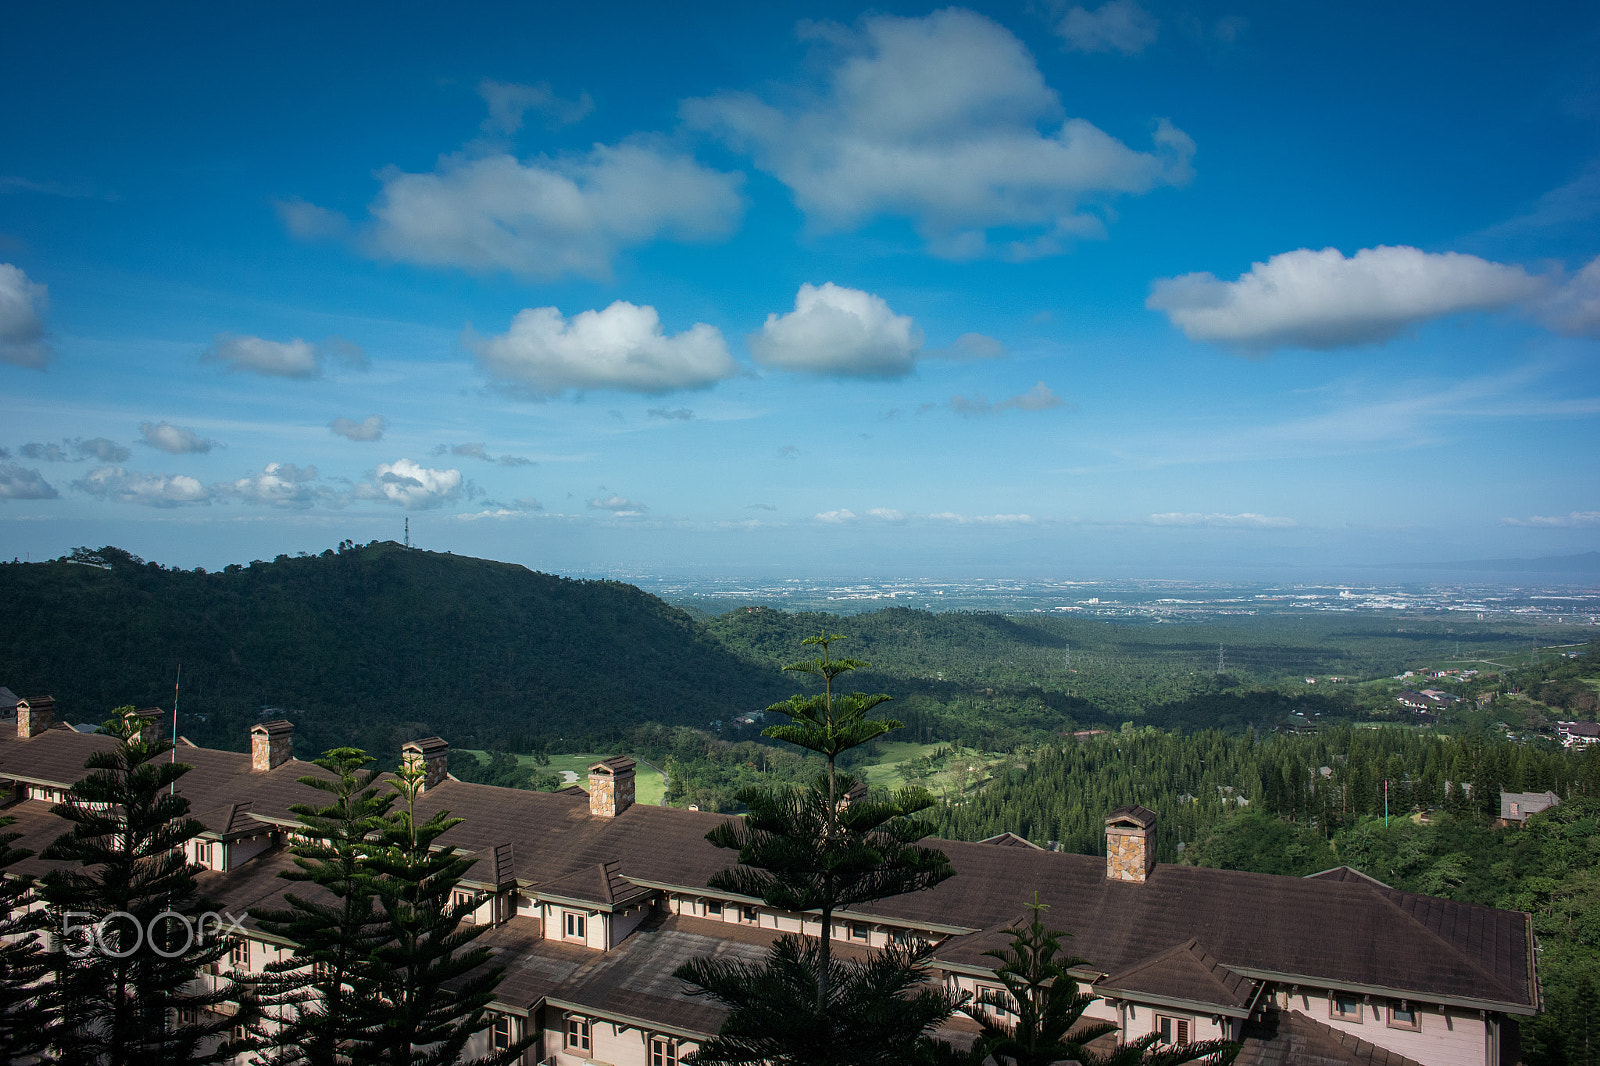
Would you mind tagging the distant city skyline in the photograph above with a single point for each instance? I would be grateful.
(1027, 289)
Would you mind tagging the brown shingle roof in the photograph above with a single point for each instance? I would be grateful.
(1344, 931)
(1289, 1038)
(1183, 975)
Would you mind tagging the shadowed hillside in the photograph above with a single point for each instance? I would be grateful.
(368, 645)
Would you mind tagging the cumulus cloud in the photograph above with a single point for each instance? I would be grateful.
(107, 451)
(22, 307)
(368, 429)
(1119, 26)
(175, 440)
(152, 490)
(1573, 308)
(284, 359)
(1322, 300)
(842, 515)
(1246, 520)
(1572, 520)
(508, 102)
(550, 217)
(617, 505)
(886, 514)
(840, 332)
(278, 485)
(938, 120)
(623, 347)
(671, 414)
(1038, 398)
(20, 483)
(412, 485)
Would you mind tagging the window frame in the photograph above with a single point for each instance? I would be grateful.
(1175, 1030)
(239, 954)
(502, 1031)
(714, 908)
(749, 915)
(860, 932)
(1358, 1016)
(1413, 1026)
(579, 1035)
(574, 920)
(664, 1051)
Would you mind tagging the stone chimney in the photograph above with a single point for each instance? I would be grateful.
(1130, 843)
(34, 715)
(432, 754)
(271, 745)
(611, 786)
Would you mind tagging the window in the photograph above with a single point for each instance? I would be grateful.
(900, 937)
(1006, 1006)
(663, 1051)
(1172, 1030)
(1404, 1016)
(459, 898)
(574, 929)
(1344, 1006)
(578, 1034)
(500, 1032)
(749, 915)
(859, 931)
(241, 954)
(713, 908)
(202, 853)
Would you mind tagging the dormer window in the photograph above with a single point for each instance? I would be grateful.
(1344, 1007)
(1172, 1030)
(1405, 1016)
(574, 926)
(713, 908)
(749, 915)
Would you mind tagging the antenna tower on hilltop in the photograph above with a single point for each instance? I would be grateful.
(408, 532)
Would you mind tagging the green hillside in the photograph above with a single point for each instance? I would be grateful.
(368, 645)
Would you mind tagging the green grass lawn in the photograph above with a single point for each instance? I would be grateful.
(884, 770)
(649, 785)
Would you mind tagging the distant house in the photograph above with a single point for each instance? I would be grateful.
(1421, 702)
(1516, 806)
(1578, 734)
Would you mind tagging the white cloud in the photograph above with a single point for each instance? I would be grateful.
(973, 346)
(284, 359)
(1323, 300)
(20, 483)
(1118, 26)
(982, 519)
(368, 429)
(617, 505)
(1573, 308)
(175, 440)
(308, 222)
(152, 490)
(412, 485)
(1573, 519)
(278, 485)
(1038, 398)
(838, 331)
(842, 515)
(1246, 520)
(622, 347)
(22, 307)
(508, 102)
(107, 451)
(887, 514)
(938, 120)
(547, 218)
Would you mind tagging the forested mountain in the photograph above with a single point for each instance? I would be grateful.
(368, 645)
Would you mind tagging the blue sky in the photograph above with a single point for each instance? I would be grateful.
(1023, 289)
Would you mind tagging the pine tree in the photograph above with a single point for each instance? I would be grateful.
(123, 989)
(823, 848)
(23, 1022)
(321, 1005)
(435, 983)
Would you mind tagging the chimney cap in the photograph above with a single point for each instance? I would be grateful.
(426, 745)
(273, 728)
(1132, 816)
(616, 764)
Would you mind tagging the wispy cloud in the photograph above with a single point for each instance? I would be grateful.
(1571, 520)
(1038, 398)
(1245, 520)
